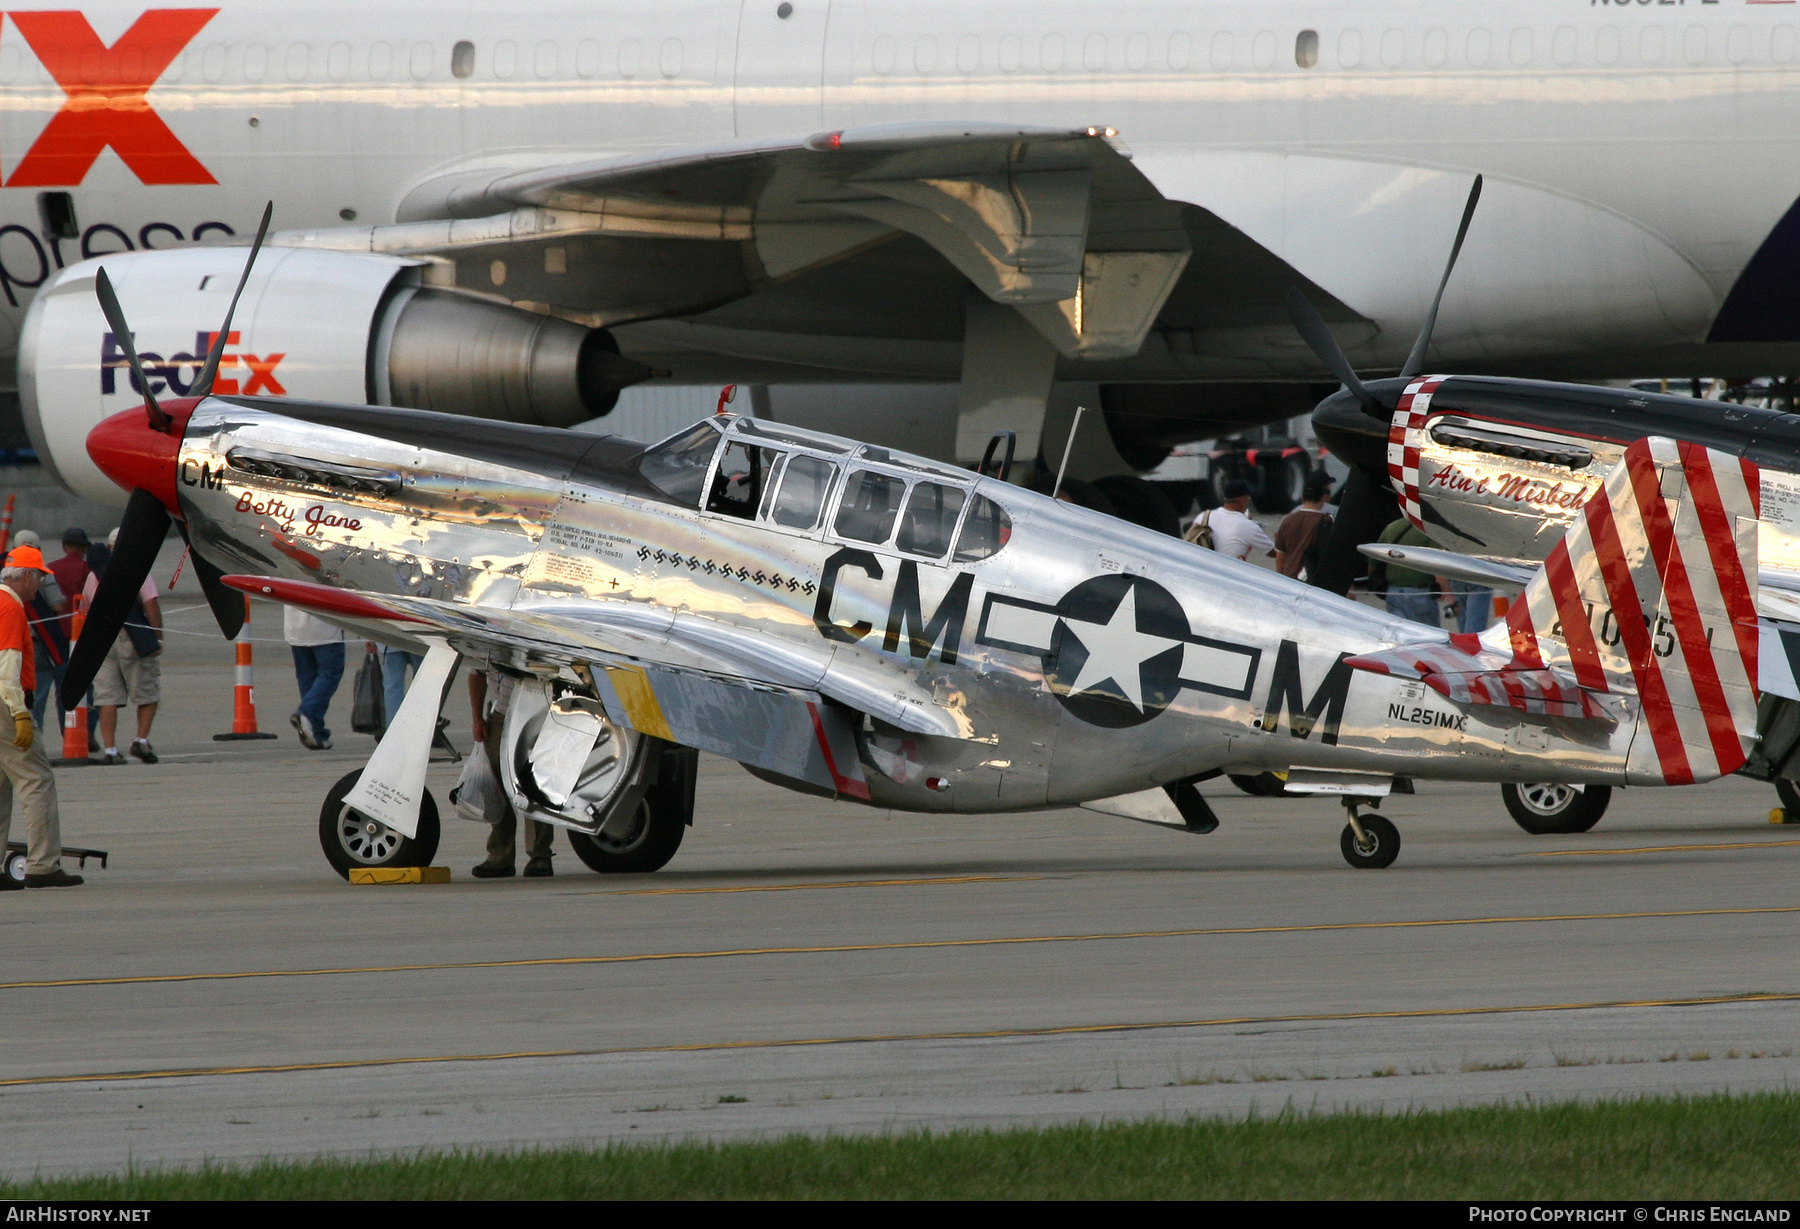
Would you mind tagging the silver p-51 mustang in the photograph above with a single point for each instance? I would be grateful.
(847, 620)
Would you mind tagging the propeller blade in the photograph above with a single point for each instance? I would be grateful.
(203, 385)
(1416, 360)
(115, 319)
(141, 534)
(227, 603)
(1311, 327)
(1365, 507)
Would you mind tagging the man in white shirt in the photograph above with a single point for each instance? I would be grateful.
(1233, 532)
(318, 649)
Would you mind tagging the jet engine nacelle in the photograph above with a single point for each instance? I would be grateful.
(318, 325)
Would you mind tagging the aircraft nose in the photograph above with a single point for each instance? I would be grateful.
(1353, 436)
(138, 457)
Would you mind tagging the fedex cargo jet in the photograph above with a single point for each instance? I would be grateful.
(516, 210)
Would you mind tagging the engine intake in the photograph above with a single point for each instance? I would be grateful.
(321, 325)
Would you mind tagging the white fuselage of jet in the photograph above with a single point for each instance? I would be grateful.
(1637, 155)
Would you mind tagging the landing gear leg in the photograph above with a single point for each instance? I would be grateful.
(1369, 842)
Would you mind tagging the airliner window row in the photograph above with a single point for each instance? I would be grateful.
(1628, 41)
(1623, 43)
(506, 60)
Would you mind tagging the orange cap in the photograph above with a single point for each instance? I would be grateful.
(27, 557)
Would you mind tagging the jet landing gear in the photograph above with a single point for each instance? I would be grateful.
(1369, 842)
(351, 839)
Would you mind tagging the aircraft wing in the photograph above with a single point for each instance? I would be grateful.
(1056, 222)
(688, 663)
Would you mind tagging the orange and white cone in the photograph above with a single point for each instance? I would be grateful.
(75, 720)
(243, 690)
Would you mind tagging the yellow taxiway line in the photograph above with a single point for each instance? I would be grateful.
(1065, 1030)
(895, 946)
(813, 887)
(1599, 853)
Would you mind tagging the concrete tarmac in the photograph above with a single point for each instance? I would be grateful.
(217, 992)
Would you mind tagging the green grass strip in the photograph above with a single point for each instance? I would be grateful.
(1710, 1147)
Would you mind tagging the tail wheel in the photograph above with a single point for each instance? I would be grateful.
(645, 839)
(1548, 808)
(351, 839)
(1378, 848)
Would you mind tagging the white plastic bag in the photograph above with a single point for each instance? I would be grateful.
(476, 794)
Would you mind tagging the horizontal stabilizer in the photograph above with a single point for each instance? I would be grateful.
(1469, 673)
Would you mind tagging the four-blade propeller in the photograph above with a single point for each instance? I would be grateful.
(1366, 504)
(146, 521)
(1311, 326)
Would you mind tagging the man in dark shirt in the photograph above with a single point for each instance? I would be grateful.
(1304, 530)
(71, 573)
(1410, 594)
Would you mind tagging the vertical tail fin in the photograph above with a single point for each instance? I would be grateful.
(1653, 592)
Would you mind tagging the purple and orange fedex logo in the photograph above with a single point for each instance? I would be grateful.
(107, 103)
(166, 374)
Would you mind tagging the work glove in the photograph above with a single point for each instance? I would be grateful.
(23, 731)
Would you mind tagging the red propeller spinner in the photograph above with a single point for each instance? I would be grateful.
(138, 456)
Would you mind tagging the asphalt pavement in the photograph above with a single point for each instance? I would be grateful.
(217, 992)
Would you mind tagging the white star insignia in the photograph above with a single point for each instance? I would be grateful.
(1116, 650)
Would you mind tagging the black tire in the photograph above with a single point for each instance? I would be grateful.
(1548, 810)
(1280, 483)
(351, 839)
(15, 867)
(1382, 835)
(1140, 502)
(1260, 784)
(661, 820)
(1789, 794)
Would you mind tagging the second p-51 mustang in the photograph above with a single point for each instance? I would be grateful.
(846, 620)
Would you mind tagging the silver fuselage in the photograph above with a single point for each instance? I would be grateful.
(1243, 673)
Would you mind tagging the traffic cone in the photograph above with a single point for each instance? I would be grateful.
(243, 691)
(75, 720)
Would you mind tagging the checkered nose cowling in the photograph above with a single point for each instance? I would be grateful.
(1406, 436)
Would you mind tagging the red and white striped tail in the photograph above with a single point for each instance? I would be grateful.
(1653, 592)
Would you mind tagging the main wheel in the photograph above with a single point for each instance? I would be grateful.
(1282, 483)
(1546, 809)
(351, 839)
(15, 866)
(1789, 793)
(1259, 784)
(1382, 848)
(646, 839)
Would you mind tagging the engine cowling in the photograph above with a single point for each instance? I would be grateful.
(319, 325)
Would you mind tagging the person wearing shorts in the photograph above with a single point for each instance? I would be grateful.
(128, 676)
(125, 678)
